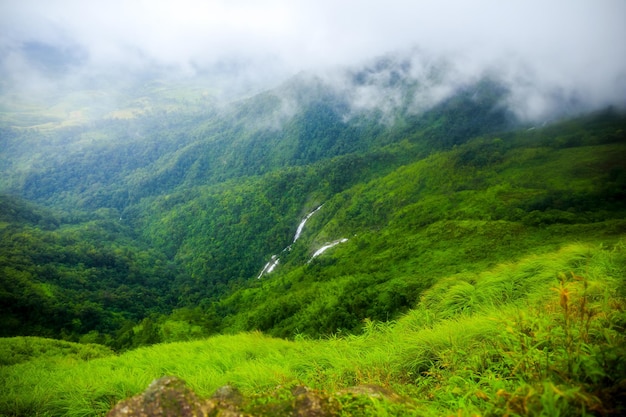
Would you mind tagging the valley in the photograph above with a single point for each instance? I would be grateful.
(458, 256)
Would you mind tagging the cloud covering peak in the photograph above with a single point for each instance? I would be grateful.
(574, 47)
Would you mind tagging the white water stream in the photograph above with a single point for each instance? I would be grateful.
(327, 246)
(269, 267)
(303, 222)
(273, 262)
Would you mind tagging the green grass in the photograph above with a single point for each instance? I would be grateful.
(24, 349)
(540, 336)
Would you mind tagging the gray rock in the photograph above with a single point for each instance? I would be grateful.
(170, 397)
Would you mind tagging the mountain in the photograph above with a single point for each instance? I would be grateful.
(367, 208)
(486, 202)
(214, 191)
(203, 184)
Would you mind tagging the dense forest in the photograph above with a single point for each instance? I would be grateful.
(125, 232)
(161, 213)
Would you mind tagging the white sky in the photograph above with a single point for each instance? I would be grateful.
(565, 42)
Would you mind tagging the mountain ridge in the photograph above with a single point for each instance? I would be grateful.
(147, 236)
(210, 239)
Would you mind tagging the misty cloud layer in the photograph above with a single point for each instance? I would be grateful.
(546, 52)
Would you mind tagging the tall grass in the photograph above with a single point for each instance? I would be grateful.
(542, 336)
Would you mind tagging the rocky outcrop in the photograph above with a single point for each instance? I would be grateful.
(312, 403)
(170, 397)
(371, 390)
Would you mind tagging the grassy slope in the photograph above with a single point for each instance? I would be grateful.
(543, 334)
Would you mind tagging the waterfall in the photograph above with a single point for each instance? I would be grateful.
(303, 222)
(273, 262)
(327, 246)
(269, 267)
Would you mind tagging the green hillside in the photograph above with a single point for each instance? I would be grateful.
(185, 205)
(543, 335)
(489, 201)
(64, 278)
(459, 262)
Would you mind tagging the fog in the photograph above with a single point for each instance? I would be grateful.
(546, 52)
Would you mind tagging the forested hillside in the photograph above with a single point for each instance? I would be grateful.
(63, 278)
(489, 201)
(312, 208)
(156, 227)
(181, 205)
(209, 191)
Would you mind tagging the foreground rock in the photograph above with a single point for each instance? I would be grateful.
(170, 397)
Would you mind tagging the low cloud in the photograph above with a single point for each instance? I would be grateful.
(570, 50)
